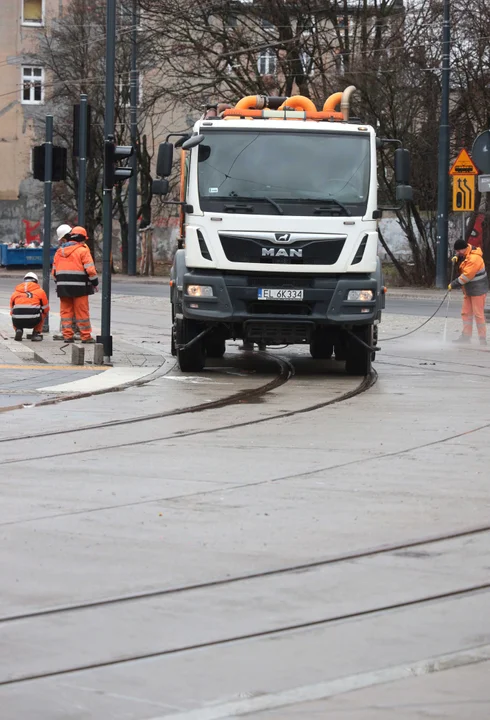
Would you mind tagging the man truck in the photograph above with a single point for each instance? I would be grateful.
(278, 241)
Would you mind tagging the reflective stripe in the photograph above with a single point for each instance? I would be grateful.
(480, 275)
(71, 282)
(71, 272)
(90, 264)
(27, 306)
(36, 316)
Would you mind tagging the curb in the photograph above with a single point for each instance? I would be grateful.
(157, 372)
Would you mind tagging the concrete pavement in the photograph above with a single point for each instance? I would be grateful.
(174, 501)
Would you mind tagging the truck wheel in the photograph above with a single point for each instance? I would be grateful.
(173, 348)
(173, 330)
(215, 347)
(358, 359)
(190, 359)
(320, 347)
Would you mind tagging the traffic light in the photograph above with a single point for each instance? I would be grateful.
(114, 154)
(59, 163)
(76, 130)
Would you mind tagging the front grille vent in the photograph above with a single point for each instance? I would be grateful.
(360, 251)
(203, 247)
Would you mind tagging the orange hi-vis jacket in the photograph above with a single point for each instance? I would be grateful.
(473, 276)
(28, 304)
(74, 270)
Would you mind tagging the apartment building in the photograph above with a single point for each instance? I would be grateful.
(22, 91)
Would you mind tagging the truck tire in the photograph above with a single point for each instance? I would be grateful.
(190, 359)
(215, 347)
(173, 330)
(320, 347)
(358, 359)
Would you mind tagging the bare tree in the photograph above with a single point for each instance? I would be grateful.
(73, 52)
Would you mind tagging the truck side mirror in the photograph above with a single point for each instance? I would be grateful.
(165, 159)
(160, 187)
(402, 166)
(404, 193)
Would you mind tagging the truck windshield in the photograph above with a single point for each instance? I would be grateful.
(284, 172)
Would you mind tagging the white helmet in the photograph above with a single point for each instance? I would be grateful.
(62, 231)
(32, 277)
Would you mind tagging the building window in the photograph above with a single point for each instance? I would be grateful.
(32, 12)
(32, 85)
(267, 62)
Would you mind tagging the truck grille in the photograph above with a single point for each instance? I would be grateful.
(278, 333)
(281, 281)
(252, 250)
(266, 307)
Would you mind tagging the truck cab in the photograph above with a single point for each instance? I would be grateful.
(279, 213)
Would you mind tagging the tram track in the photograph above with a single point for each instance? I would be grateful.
(287, 371)
(454, 594)
(348, 557)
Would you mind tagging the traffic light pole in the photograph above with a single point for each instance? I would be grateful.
(443, 167)
(48, 187)
(133, 191)
(106, 337)
(82, 159)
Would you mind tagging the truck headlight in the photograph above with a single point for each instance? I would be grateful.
(199, 290)
(360, 295)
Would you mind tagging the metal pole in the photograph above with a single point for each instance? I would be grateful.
(443, 167)
(463, 226)
(48, 187)
(82, 159)
(133, 181)
(106, 337)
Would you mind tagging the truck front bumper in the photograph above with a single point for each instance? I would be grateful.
(235, 299)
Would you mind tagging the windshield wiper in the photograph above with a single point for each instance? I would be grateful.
(328, 205)
(238, 207)
(273, 202)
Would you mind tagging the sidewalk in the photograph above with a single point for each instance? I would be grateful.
(40, 371)
(19, 272)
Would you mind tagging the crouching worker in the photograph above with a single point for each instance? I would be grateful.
(474, 282)
(29, 307)
(76, 278)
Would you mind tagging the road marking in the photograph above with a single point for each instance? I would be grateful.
(102, 381)
(42, 366)
(330, 688)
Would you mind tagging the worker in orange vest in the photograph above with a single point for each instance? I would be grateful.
(29, 307)
(76, 278)
(474, 282)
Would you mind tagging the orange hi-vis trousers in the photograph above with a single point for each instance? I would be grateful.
(474, 306)
(75, 310)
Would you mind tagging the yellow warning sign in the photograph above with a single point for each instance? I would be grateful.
(463, 165)
(464, 193)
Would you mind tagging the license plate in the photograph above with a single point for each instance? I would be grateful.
(285, 294)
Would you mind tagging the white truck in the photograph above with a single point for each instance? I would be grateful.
(279, 212)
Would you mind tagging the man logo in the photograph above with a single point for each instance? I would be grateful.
(282, 252)
(283, 237)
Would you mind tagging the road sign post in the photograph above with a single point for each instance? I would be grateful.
(443, 160)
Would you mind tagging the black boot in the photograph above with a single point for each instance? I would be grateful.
(18, 334)
(36, 337)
